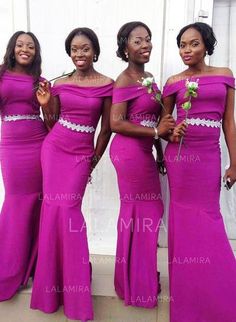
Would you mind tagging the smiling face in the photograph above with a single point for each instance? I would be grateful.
(82, 52)
(24, 51)
(192, 48)
(139, 45)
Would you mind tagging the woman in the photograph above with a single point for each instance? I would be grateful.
(134, 117)
(202, 265)
(22, 134)
(63, 273)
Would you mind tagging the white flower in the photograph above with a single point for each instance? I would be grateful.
(147, 81)
(192, 85)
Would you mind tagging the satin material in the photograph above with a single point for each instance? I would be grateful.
(202, 266)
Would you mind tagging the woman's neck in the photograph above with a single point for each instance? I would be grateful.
(136, 71)
(88, 73)
(198, 69)
(21, 69)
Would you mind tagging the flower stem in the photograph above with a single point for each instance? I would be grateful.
(55, 78)
(182, 138)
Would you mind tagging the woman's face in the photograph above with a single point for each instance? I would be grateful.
(24, 51)
(139, 45)
(82, 52)
(192, 48)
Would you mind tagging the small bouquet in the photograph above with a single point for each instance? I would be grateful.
(148, 82)
(191, 91)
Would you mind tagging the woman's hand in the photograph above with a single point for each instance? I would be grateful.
(178, 132)
(230, 175)
(43, 93)
(161, 167)
(166, 125)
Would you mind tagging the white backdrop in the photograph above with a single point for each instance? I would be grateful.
(52, 20)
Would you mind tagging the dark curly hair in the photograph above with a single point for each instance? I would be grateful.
(206, 32)
(9, 60)
(90, 34)
(123, 35)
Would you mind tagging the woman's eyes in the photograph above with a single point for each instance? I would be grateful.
(84, 50)
(28, 46)
(138, 42)
(194, 44)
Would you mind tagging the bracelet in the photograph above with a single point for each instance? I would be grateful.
(156, 137)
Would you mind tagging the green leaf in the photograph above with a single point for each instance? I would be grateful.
(186, 106)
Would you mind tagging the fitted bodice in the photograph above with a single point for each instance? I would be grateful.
(141, 106)
(82, 105)
(17, 94)
(211, 96)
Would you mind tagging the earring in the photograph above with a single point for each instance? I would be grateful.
(13, 57)
(95, 58)
(127, 55)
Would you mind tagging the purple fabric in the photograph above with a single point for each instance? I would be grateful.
(141, 204)
(202, 266)
(20, 149)
(63, 272)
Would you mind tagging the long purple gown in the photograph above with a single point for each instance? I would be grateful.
(22, 134)
(141, 207)
(63, 273)
(202, 266)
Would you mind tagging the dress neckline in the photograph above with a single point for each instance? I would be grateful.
(195, 77)
(81, 87)
(134, 85)
(11, 73)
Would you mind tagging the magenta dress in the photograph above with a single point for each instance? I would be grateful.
(63, 272)
(22, 134)
(202, 266)
(141, 207)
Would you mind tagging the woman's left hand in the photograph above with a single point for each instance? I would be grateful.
(230, 174)
(161, 167)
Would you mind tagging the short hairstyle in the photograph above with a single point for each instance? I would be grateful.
(123, 35)
(90, 34)
(206, 32)
(9, 57)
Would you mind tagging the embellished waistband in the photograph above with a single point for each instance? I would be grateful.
(19, 117)
(148, 123)
(203, 122)
(76, 127)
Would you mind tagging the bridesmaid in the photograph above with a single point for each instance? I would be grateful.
(22, 134)
(202, 266)
(63, 272)
(134, 117)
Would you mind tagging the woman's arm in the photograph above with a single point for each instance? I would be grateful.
(50, 104)
(229, 129)
(104, 134)
(120, 124)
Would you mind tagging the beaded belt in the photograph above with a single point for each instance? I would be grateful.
(76, 127)
(149, 123)
(203, 122)
(18, 117)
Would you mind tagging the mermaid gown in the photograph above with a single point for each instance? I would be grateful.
(22, 134)
(141, 207)
(63, 273)
(202, 266)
